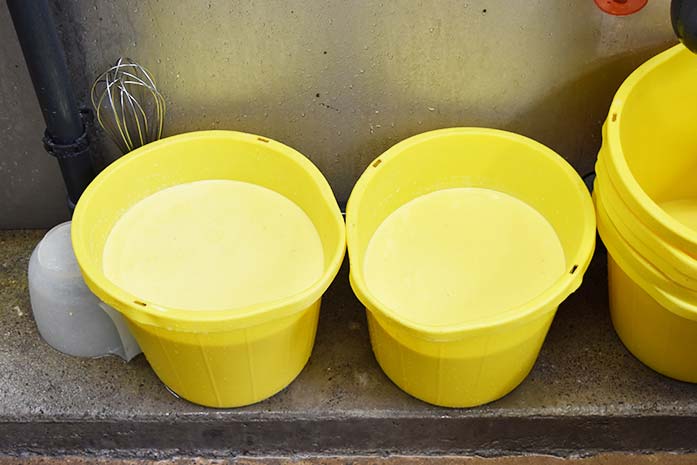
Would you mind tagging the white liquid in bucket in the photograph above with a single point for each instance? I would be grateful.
(684, 210)
(214, 244)
(458, 255)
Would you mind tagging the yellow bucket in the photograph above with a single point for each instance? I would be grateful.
(646, 202)
(467, 362)
(217, 358)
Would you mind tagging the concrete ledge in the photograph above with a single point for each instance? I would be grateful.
(586, 394)
(602, 459)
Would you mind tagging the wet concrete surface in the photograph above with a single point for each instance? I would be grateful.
(585, 393)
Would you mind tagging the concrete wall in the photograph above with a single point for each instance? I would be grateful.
(339, 80)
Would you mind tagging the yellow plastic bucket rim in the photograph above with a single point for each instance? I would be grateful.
(629, 260)
(209, 320)
(671, 261)
(555, 294)
(628, 187)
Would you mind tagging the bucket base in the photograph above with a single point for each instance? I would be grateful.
(660, 339)
(231, 368)
(461, 373)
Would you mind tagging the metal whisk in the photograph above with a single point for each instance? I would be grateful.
(128, 105)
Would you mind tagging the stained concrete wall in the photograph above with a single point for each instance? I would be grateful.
(339, 80)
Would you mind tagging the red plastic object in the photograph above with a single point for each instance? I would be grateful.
(621, 7)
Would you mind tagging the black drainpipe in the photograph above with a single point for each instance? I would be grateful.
(65, 136)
